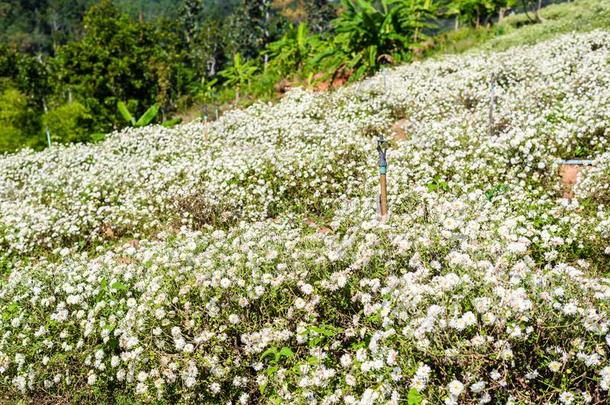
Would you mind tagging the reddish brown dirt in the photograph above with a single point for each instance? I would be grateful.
(398, 130)
(569, 177)
(338, 80)
(323, 230)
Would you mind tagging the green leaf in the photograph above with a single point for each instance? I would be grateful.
(302, 36)
(119, 286)
(237, 60)
(272, 351)
(10, 311)
(172, 122)
(125, 113)
(148, 116)
(414, 397)
(286, 352)
(98, 137)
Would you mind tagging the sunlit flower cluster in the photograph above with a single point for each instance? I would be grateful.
(243, 261)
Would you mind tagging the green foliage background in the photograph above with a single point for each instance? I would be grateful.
(65, 65)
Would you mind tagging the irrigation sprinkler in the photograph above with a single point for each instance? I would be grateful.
(382, 147)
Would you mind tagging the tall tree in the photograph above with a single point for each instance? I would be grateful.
(320, 14)
(119, 59)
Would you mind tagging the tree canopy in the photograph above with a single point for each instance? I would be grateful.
(71, 63)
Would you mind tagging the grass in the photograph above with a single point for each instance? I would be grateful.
(517, 29)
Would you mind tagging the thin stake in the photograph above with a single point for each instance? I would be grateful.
(491, 104)
(44, 105)
(382, 147)
(48, 137)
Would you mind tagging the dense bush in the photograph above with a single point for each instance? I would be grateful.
(69, 123)
(17, 120)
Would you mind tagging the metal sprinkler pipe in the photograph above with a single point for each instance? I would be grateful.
(382, 147)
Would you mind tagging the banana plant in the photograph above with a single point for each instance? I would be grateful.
(146, 118)
(371, 33)
(368, 34)
(289, 53)
(415, 16)
(204, 90)
(239, 74)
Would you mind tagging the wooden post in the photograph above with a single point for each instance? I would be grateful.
(383, 197)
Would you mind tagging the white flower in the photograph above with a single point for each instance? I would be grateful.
(307, 289)
(477, 387)
(451, 224)
(495, 375)
(570, 308)
(20, 383)
(141, 388)
(215, 387)
(455, 388)
(159, 313)
(566, 397)
(91, 379)
(346, 360)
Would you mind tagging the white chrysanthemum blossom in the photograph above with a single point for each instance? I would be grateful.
(246, 254)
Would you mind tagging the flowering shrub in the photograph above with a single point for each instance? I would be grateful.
(181, 265)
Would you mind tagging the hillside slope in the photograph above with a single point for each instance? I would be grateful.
(182, 265)
(518, 29)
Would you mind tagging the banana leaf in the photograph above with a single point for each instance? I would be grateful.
(148, 116)
(172, 122)
(125, 113)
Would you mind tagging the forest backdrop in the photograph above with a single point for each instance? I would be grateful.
(72, 70)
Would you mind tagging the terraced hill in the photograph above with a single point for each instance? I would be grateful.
(244, 260)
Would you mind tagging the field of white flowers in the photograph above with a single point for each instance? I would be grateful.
(243, 261)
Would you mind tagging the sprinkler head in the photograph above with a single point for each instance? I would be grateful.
(382, 147)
